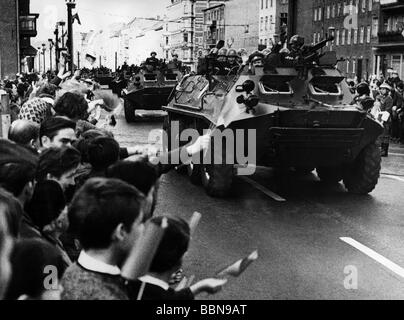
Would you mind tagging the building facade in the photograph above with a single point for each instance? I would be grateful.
(9, 39)
(273, 15)
(27, 30)
(354, 25)
(389, 51)
(179, 31)
(18, 26)
(242, 24)
(213, 24)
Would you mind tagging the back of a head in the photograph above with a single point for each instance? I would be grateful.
(47, 90)
(173, 245)
(17, 166)
(140, 174)
(72, 105)
(57, 161)
(99, 207)
(29, 260)
(47, 203)
(23, 132)
(102, 152)
(13, 212)
(5, 244)
(50, 127)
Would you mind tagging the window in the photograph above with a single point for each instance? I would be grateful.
(185, 37)
(272, 3)
(333, 11)
(328, 12)
(355, 37)
(339, 10)
(266, 42)
(260, 41)
(314, 37)
(262, 4)
(320, 14)
(337, 34)
(375, 27)
(166, 41)
(271, 21)
(370, 6)
(363, 5)
(368, 33)
(266, 23)
(348, 40)
(353, 66)
(315, 14)
(266, 4)
(318, 37)
(362, 35)
(347, 66)
(262, 24)
(343, 37)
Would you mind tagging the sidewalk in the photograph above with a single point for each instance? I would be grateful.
(394, 163)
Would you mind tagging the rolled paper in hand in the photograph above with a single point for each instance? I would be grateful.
(237, 268)
(182, 285)
(193, 223)
(142, 254)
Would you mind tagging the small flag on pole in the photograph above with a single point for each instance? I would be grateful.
(237, 268)
(76, 17)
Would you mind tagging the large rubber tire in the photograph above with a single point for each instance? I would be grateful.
(217, 179)
(330, 175)
(129, 112)
(363, 176)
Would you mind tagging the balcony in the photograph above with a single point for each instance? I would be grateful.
(28, 25)
(391, 36)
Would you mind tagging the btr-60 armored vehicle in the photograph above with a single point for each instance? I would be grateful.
(296, 110)
(149, 90)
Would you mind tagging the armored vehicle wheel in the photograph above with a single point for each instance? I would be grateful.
(217, 179)
(129, 112)
(330, 174)
(363, 175)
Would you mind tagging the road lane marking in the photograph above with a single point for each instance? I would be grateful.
(375, 256)
(393, 177)
(264, 190)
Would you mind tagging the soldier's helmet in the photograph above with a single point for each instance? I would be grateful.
(363, 89)
(222, 52)
(296, 41)
(232, 53)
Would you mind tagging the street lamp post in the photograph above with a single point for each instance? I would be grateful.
(71, 4)
(51, 45)
(39, 59)
(44, 61)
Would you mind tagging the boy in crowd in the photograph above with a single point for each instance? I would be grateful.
(166, 262)
(107, 215)
(57, 132)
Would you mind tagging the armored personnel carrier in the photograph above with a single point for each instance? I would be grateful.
(295, 110)
(149, 90)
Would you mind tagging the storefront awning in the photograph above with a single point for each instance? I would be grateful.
(29, 52)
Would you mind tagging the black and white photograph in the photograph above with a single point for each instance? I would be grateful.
(201, 155)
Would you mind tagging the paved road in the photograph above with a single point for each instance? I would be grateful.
(301, 252)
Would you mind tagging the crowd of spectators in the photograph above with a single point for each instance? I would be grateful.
(73, 206)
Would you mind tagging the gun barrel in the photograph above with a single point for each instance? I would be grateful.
(321, 44)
